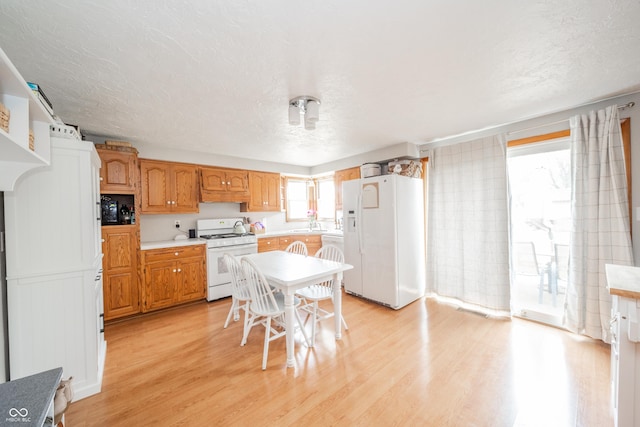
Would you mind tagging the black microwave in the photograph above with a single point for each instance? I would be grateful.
(109, 212)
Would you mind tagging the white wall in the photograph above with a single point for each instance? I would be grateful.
(155, 228)
(162, 227)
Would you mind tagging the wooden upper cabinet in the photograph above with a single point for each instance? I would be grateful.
(341, 176)
(119, 169)
(264, 189)
(168, 187)
(224, 185)
(185, 188)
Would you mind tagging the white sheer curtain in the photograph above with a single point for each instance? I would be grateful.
(467, 243)
(600, 231)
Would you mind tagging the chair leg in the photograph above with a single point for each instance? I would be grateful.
(304, 332)
(233, 306)
(265, 352)
(314, 323)
(250, 324)
(540, 288)
(344, 322)
(245, 321)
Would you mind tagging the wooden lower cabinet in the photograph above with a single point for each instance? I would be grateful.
(266, 244)
(284, 241)
(173, 276)
(313, 242)
(120, 271)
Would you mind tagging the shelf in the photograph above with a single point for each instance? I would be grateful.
(26, 113)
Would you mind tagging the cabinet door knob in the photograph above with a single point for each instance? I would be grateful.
(174, 270)
(179, 270)
(168, 202)
(228, 182)
(177, 253)
(101, 179)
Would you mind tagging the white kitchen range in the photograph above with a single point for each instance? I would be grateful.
(223, 235)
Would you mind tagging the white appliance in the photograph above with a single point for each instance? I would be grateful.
(384, 239)
(221, 239)
(336, 239)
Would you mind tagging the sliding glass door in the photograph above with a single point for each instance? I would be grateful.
(540, 211)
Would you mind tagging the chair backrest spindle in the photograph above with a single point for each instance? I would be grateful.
(297, 247)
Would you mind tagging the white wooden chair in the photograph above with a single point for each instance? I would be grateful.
(320, 291)
(526, 264)
(297, 247)
(562, 265)
(264, 307)
(240, 296)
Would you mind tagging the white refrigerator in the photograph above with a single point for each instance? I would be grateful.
(384, 239)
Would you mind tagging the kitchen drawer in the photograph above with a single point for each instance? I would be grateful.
(312, 241)
(285, 241)
(168, 254)
(266, 244)
(308, 239)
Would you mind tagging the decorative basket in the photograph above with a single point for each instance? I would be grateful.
(118, 143)
(120, 148)
(408, 168)
(5, 114)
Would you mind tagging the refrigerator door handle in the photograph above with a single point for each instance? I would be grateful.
(359, 223)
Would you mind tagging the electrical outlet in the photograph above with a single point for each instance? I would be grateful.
(177, 223)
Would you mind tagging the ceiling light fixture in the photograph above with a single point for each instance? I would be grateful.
(307, 105)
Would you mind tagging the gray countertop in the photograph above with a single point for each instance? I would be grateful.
(171, 243)
(186, 242)
(297, 231)
(25, 401)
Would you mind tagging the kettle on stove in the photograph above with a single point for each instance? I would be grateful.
(238, 228)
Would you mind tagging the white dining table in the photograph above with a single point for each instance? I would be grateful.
(290, 272)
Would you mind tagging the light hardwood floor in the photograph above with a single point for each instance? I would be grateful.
(427, 364)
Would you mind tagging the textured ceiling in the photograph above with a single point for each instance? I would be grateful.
(216, 76)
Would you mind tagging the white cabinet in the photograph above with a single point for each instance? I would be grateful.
(54, 268)
(625, 361)
(624, 286)
(26, 113)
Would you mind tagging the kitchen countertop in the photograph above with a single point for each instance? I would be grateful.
(171, 243)
(623, 280)
(293, 232)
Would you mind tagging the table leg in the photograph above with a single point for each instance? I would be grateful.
(337, 304)
(289, 318)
